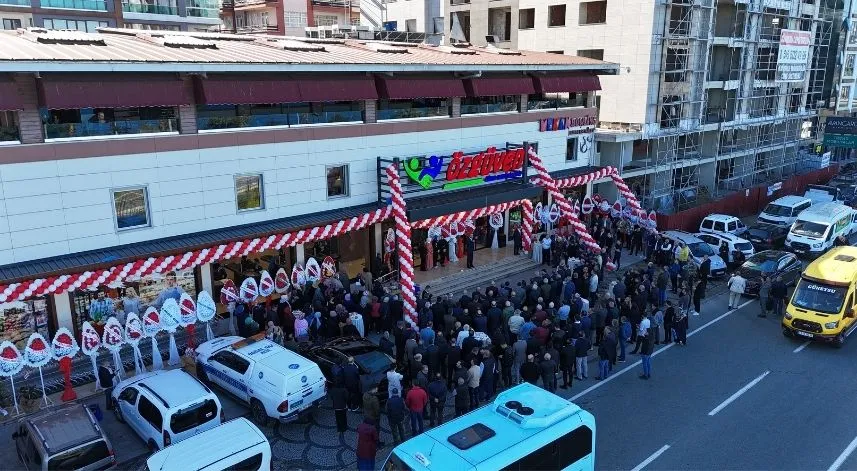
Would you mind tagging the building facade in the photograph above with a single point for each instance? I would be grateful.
(703, 104)
(169, 145)
(87, 15)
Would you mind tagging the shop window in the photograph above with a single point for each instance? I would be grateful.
(849, 64)
(8, 126)
(211, 117)
(337, 181)
(131, 206)
(593, 13)
(550, 101)
(490, 104)
(413, 108)
(526, 18)
(571, 149)
(11, 23)
(556, 15)
(249, 192)
(86, 122)
(20, 319)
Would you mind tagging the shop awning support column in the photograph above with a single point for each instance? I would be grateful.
(206, 276)
(300, 256)
(62, 308)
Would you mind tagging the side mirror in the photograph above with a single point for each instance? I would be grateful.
(849, 312)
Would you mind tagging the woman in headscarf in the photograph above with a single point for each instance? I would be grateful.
(301, 327)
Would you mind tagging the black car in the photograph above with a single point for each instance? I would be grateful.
(772, 263)
(765, 236)
(372, 362)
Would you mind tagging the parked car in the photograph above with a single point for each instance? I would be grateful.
(784, 210)
(165, 407)
(722, 223)
(772, 263)
(767, 236)
(274, 381)
(371, 361)
(235, 445)
(735, 244)
(68, 438)
(698, 250)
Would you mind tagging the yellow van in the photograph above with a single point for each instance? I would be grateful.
(823, 304)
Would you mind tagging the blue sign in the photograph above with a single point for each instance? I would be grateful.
(303, 379)
(294, 366)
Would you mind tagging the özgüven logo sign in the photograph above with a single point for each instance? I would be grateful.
(464, 170)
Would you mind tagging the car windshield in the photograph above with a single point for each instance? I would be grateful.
(764, 266)
(778, 210)
(760, 233)
(80, 457)
(374, 362)
(700, 249)
(809, 229)
(819, 297)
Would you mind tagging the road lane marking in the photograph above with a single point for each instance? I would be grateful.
(844, 456)
(804, 345)
(656, 353)
(651, 458)
(738, 394)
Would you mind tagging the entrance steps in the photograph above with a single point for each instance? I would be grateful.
(481, 276)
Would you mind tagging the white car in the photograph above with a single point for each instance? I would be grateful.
(722, 223)
(165, 407)
(273, 381)
(733, 242)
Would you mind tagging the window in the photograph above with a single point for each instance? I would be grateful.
(707, 224)
(131, 207)
(550, 101)
(80, 458)
(411, 26)
(571, 149)
(248, 192)
(87, 122)
(129, 395)
(849, 64)
(414, 108)
(437, 25)
(295, 19)
(556, 52)
(11, 23)
(337, 181)
(232, 361)
(556, 15)
(490, 104)
(325, 20)
(253, 462)
(150, 413)
(210, 117)
(593, 13)
(80, 25)
(193, 416)
(597, 54)
(526, 18)
(559, 454)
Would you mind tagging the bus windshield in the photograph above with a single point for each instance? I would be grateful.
(819, 297)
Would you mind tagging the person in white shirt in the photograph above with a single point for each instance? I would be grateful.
(394, 382)
(737, 284)
(465, 332)
(515, 323)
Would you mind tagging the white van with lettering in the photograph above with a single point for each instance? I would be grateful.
(818, 226)
(273, 381)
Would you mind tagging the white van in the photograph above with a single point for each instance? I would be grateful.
(784, 210)
(817, 227)
(237, 444)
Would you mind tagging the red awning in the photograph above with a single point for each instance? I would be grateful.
(580, 82)
(238, 90)
(342, 88)
(500, 85)
(61, 91)
(405, 88)
(10, 96)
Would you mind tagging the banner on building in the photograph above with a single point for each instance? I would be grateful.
(840, 132)
(793, 56)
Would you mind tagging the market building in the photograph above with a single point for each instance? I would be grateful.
(127, 156)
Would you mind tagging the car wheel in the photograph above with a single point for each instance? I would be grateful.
(117, 411)
(787, 333)
(257, 412)
(153, 447)
(839, 341)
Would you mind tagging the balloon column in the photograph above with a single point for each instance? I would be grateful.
(65, 347)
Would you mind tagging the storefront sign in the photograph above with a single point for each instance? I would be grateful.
(462, 170)
(561, 123)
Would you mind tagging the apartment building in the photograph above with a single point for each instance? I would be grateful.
(87, 15)
(712, 96)
(406, 16)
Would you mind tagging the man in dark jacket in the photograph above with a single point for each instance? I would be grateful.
(105, 378)
(566, 364)
(469, 248)
(351, 375)
(437, 400)
(581, 351)
(339, 397)
(548, 369)
(396, 416)
(432, 358)
(704, 269)
(530, 371)
(778, 294)
(451, 359)
(462, 397)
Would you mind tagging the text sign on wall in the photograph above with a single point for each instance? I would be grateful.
(561, 123)
(461, 170)
(840, 125)
(793, 55)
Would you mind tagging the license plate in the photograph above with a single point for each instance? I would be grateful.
(799, 251)
(803, 334)
(297, 404)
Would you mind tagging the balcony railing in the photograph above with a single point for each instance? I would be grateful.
(97, 5)
(66, 130)
(8, 133)
(203, 9)
(16, 3)
(256, 29)
(332, 3)
(488, 108)
(280, 119)
(405, 113)
(150, 9)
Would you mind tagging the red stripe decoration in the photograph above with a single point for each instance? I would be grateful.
(403, 245)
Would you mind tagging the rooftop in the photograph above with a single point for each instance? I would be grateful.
(175, 387)
(128, 50)
(836, 267)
